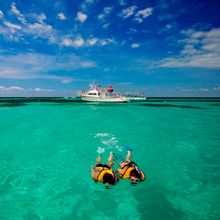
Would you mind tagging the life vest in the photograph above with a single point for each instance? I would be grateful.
(100, 175)
(128, 167)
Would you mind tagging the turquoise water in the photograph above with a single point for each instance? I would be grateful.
(47, 150)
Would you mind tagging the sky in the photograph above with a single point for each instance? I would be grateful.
(57, 48)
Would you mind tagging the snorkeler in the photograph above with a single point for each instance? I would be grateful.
(129, 170)
(103, 172)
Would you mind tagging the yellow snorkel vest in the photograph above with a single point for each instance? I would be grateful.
(99, 178)
(126, 174)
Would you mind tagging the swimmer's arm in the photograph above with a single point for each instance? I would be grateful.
(93, 171)
(110, 160)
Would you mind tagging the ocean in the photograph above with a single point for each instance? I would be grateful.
(47, 148)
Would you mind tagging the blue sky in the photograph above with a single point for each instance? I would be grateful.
(56, 48)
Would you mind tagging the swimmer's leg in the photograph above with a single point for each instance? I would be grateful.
(128, 157)
(98, 160)
(110, 159)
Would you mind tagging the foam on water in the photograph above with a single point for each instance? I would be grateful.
(47, 150)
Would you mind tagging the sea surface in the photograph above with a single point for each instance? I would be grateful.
(47, 148)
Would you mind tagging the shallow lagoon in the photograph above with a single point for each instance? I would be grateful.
(47, 149)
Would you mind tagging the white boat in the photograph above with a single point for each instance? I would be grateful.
(98, 94)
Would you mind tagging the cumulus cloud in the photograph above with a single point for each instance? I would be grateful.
(17, 13)
(135, 45)
(128, 12)
(77, 42)
(142, 14)
(1, 14)
(42, 30)
(81, 17)
(199, 49)
(69, 41)
(38, 28)
(61, 16)
(139, 16)
(92, 41)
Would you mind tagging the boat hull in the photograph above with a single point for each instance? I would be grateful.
(98, 99)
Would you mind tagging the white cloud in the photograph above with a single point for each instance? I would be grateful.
(43, 90)
(106, 12)
(200, 49)
(128, 12)
(11, 88)
(142, 14)
(1, 14)
(139, 16)
(203, 90)
(42, 30)
(77, 42)
(66, 42)
(104, 42)
(41, 18)
(27, 66)
(135, 45)
(81, 17)
(18, 14)
(19, 91)
(105, 26)
(92, 41)
(12, 26)
(39, 29)
(61, 16)
(88, 64)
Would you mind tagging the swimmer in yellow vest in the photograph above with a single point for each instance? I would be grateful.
(129, 170)
(103, 172)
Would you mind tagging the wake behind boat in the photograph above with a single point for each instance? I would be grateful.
(98, 94)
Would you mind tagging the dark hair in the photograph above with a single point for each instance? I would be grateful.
(136, 174)
(108, 178)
